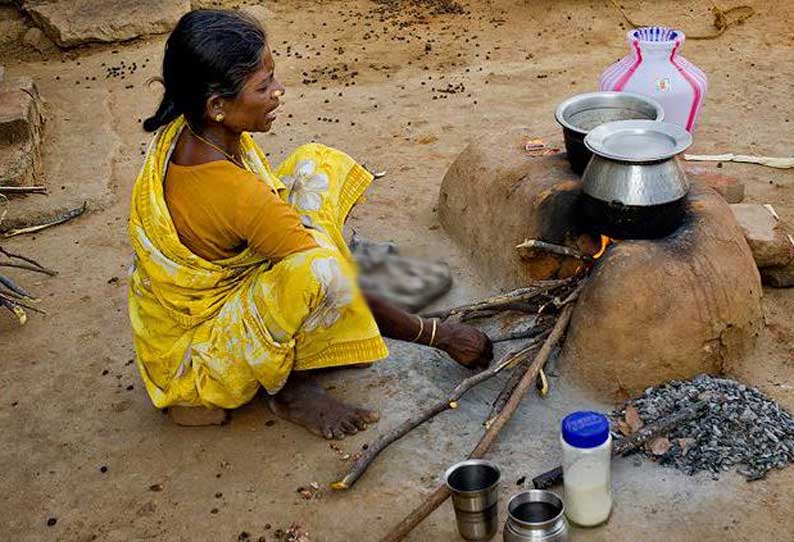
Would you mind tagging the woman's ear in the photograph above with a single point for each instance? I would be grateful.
(215, 106)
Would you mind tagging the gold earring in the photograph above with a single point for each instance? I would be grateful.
(278, 93)
(219, 117)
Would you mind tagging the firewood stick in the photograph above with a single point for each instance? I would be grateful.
(65, 217)
(378, 445)
(11, 285)
(435, 499)
(531, 247)
(8, 299)
(23, 189)
(516, 296)
(632, 442)
(516, 335)
(28, 267)
(17, 311)
(13, 256)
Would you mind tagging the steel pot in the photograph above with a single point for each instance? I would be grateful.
(580, 114)
(634, 187)
(535, 516)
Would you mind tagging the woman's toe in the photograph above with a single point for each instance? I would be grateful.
(349, 427)
(369, 416)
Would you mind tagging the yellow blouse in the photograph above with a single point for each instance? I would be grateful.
(218, 209)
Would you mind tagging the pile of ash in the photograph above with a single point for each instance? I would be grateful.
(742, 427)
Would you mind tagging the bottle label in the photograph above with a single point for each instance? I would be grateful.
(662, 85)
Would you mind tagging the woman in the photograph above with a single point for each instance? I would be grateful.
(241, 276)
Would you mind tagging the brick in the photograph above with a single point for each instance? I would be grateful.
(769, 241)
(730, 188)
(21, 123)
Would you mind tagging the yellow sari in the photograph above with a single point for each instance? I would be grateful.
(211, 332)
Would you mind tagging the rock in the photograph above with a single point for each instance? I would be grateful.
(652, 310)
(778, 277)
(21, 123)
(36, 39)
(772, 246)
(12, 25)
(70, 23)
(730, 188)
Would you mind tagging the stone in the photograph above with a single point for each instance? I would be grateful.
(778, 277)
(12, 25)
(730, 188)
(652, 310)
(21, 124)
(70, 23)
(771, 244)
(37, 40)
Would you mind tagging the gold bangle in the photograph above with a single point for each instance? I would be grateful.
(421, 329)
(433, 335)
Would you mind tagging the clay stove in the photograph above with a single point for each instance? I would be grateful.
(653, 310)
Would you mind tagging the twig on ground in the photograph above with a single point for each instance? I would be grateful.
(13, 256)
(66, 217)
(28, 267)
(450, 401)
(435, 499)
(23, 190)
(14, 287)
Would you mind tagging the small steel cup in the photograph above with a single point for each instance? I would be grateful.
(536, 516)
(474, 485)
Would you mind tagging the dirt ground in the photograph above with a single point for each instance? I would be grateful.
(81, 443)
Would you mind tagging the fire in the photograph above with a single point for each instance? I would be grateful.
(605, 241)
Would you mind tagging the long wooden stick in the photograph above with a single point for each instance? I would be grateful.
(435, 499)
(28, 267)
(516, 296)
(450, 401)
(23, 189)
(531, 247)
(65, 217)
(14, 256)
(632, 442)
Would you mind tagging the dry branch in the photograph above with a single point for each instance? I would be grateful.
(530, 248)
(522, 295)
(28, 267)
(450, 401)
(435, 499)
(65, 217)
(23, 190)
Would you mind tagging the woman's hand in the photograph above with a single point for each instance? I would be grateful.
(465, 344)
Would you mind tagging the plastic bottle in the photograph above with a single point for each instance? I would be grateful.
(586, 464)
(654, 68)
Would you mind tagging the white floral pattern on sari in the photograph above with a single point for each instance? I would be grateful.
(306, 186)
(337, 294)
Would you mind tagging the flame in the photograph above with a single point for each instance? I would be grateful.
(605, 242)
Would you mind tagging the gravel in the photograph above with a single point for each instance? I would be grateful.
(742, 429)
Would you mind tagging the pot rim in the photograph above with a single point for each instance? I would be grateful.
(559, 113)
(472, 463)
(527, 496)
(596, 140)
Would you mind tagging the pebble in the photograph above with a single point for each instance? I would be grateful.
(742, 428)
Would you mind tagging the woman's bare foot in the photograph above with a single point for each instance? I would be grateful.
(304, 402)
(465, 344)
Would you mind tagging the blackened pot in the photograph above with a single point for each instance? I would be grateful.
(581, 113)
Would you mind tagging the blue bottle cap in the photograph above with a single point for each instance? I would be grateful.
(585, 429)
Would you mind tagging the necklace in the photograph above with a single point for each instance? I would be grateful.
(231, 158)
